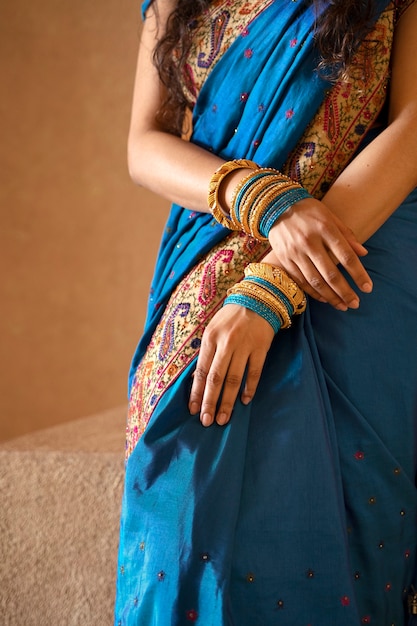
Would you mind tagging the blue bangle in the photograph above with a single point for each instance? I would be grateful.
(255, 306)
(274, 290)
(277, 207)
(247, 185)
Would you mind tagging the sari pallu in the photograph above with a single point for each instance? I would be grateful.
(303, 509)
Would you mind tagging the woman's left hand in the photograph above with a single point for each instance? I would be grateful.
(309, 241)
(235, 343)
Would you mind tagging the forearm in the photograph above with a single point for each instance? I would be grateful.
(172, 167)
(376, 182)
(363, 197)
(385, 172)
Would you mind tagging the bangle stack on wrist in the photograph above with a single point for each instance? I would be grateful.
(270, 292)
(258, 200)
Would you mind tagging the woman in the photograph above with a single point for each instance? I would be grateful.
(271, 474)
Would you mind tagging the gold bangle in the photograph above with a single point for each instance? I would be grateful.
(255, 199)
(245, 179)
(214, 186)
(280, 279)
(249, 199)
(261, 204)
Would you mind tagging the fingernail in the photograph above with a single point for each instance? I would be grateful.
(221, 419)
(206, 419)
(367, 287)
(354, 304)
(341, 307)
(194, 408)
(246, 399)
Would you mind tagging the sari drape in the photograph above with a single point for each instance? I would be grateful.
(303, 509)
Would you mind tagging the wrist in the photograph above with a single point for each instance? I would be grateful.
(244, 196)
(268, 291)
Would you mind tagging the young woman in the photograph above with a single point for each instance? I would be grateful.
(272, 442)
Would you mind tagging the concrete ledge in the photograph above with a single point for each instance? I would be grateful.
(60, 493)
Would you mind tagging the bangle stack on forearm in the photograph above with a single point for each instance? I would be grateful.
(258, 201)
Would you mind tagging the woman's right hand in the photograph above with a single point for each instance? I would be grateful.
(308, 242)
(233, 349)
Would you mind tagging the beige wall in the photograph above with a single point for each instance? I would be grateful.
(77, 238)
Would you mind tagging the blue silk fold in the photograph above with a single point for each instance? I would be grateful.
(302, 511)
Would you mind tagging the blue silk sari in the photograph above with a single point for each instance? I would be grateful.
(303, 510)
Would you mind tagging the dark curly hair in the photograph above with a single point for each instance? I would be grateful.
(342, 27)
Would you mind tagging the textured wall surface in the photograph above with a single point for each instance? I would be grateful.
(77, 238)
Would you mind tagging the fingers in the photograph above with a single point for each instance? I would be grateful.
(311, 242)
(255, 366)
(295, 273)
(232, 383)
(200, 379)
(220, 378)
(235, 342)
(346, 249)
(318, 275)
(357, 247)
(217, 390)
(317, 281)
(350, 237)
(327, 280)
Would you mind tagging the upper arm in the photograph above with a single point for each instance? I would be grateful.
(403, 91)
(148, 93)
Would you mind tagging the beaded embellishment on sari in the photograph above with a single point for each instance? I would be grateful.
(329, 142)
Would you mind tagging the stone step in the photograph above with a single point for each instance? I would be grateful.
(60, 495)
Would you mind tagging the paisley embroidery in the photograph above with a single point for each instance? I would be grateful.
(217, 31)
(331, 115)
(189, 80)
(209, 281)
(214, 32)
(168, 333)
(304, 150)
